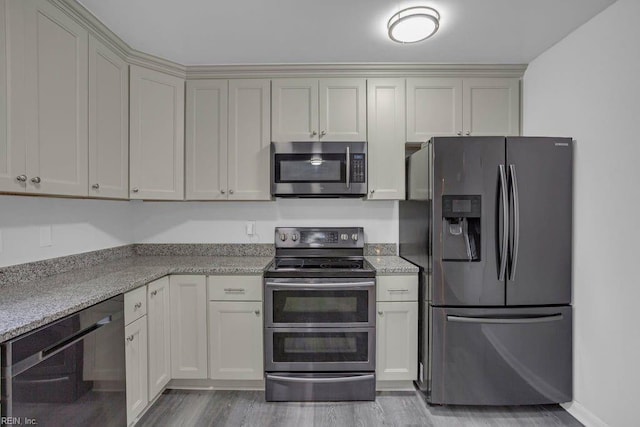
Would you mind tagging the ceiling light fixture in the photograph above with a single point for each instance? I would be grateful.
(413, 24)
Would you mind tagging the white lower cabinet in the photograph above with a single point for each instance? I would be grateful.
(397, 329)
(188, 327)
(158, 316)
(235, 340)
(136, 365)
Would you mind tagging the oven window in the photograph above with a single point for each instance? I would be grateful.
(320, 347)
(307, 168)
(320, 306)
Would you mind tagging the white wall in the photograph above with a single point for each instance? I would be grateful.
(76, 226)
(224, 222)
(588, 87)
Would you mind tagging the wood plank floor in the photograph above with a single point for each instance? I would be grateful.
(248, 408)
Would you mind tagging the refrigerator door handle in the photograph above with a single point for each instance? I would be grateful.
(506, 320)
(505, 222)
(516, 221)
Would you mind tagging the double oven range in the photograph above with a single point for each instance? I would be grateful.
(319, 325)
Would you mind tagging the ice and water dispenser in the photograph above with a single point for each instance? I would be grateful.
(461, 228)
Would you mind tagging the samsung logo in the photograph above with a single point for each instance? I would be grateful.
(562, 144)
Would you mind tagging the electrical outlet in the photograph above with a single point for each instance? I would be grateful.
(45, 236)
(250, 228)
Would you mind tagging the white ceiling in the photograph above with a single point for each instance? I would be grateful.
(199, 32)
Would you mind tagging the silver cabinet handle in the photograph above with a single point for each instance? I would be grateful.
(36, 180)
(398, 290)
(130, 338)
(230, 191)
(233, 290)
(135, 189)
(137, 306)
(372, 191)
(459, 132)
(222, 191)
(323, 133)
(468, 133)
(314, 133)
(257, 312)
(154, 293)
(21, 178)
(95, 186)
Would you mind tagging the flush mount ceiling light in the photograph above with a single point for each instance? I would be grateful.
(413, 24)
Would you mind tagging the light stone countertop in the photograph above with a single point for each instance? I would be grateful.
(28, 305)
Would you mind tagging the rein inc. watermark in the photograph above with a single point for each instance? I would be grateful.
(18, 421)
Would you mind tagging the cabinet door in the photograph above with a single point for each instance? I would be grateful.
(188, 326)
(294, 110)
(12, 149)
(343, 114)
(158, 309)
(397, 341)
(206, 139)
(56, 89)
(434, 108)
(235, 340)
(136, 366)
(108, 123)
(156, 135)
(491, 106)
(386, 121)
(249, 138)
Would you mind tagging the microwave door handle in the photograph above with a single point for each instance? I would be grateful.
(348, 168)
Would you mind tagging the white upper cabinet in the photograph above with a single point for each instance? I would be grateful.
(434, 108)
(462, 107)
(491, 106)
(55, 101)
(156, 135)
(386, 122)
(332, 109)
(206, 140)
(10, 168)
(249, 139)
(108, 123)
(227, 139)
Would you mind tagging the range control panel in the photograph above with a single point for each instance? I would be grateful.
(321, 237)
(358, 168)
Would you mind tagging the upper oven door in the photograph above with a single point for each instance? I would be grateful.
(323, 303)
(318, 169)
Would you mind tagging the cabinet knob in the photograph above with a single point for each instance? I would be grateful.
(323, 133)
(222, 191)
(137, 306)
(135, 189)
(130, 338)
(36, 180)
(257, 312)
(380, 312)
(95, 186)
(21, 178)
(372, 191)
(230, 191)
(468, 133)
(459, 132)
(314, 133)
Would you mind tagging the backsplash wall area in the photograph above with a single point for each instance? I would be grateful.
(225, 222)
(37, 228)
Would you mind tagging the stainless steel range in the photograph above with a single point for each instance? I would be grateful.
(320, 332)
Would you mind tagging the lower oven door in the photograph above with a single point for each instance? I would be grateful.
(324, 303)
(320, 387)
(320, 349)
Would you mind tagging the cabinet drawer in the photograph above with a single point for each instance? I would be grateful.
(235, 288)
(397, 288)
(135, 304)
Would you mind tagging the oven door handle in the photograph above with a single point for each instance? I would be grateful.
(318, 286)
(321, 380)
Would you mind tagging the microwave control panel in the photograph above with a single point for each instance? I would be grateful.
(358, 168)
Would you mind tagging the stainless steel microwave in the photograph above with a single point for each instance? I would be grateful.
(319, 169)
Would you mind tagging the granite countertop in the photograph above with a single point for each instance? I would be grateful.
(28, 305)
(391, 265)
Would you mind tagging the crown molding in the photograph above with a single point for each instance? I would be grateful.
(197, 72)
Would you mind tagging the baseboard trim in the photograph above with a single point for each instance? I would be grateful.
(582, 414)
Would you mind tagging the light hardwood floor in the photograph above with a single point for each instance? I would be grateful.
(248, 408)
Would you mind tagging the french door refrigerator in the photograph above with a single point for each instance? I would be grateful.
(488, 221)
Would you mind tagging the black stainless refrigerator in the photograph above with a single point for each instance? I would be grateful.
(488, 220)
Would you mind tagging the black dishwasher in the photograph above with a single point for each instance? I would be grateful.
(68, 373)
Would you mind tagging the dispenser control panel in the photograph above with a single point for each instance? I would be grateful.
(461, 206)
